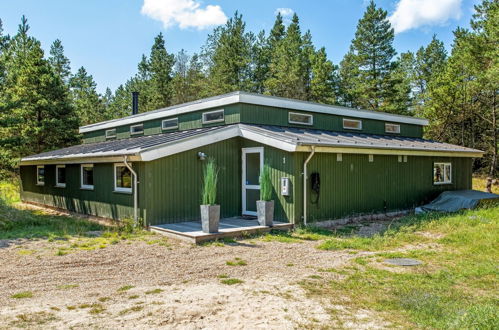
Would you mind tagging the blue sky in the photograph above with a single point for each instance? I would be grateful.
(108, 37)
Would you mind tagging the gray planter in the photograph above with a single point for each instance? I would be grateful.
(210, 217)
(265, 212)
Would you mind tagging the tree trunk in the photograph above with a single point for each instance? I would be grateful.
(493, 162)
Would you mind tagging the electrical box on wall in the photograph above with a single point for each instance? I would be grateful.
(285, 186)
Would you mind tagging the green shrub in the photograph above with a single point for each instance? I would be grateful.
(210, 179)
(265, 183)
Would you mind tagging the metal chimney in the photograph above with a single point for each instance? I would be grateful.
(135, 103)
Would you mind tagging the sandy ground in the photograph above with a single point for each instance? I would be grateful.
(80, 290)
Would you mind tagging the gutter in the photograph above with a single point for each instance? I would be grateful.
(305, 179)
(135, 193)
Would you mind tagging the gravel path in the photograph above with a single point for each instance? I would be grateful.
(173, 286)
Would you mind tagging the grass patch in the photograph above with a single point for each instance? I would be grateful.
(231, 281)
(155, 291)
(96, 309)
(67, 286)
(453, 287)
(104, 299)
(236, 262)
(22, 295)
(131, 310)
(31, 319)
(125, 288)
(135, 296)
(223, 276)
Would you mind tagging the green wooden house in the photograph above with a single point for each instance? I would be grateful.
(327, 162)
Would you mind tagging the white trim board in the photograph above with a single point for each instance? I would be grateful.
(256, 99)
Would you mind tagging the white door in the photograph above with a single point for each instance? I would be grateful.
(252, 164)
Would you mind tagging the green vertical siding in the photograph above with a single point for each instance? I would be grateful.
(255, 114)
(357, 186)
(102, 201)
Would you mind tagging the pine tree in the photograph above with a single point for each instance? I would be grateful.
(228, 57)
(324, 81)
(86, 100)
(288, 67)
(371, 84)
(160, 67)
(59, 62)
(188, 80)
(40, 116)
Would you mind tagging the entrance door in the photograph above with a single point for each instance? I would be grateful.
(252, 164)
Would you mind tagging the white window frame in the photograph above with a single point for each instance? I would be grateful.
(57, 183)
(113, 135)
(371, 158)
(445, 164)
(299, 122)
(85, 186)
(136, 133)
(339, 157)
(121, 189)
(40, 183)
(353, 120)
(213, 121)
(397, 131)
(169, 128)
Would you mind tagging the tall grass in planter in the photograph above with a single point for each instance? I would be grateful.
(265, 206)
(210, 212)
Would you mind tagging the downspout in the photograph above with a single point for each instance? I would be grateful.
(135, 193)
(305, 175)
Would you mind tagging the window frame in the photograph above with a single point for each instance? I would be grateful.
(353, 120)
(169, 128)
(136, 133)
(311, 123)
(86, 186)
(38, 182)
(444, 164)
(110, 130)
(204, 121)
(392, 124)
(122, 189)
(57, 183)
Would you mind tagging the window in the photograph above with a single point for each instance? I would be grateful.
(87, 176)
(60, 176)
(442, 173)
(40, 175)
(137, 129)
(392, 128)
(339, 157)
(110, 133)
(300, 118)
(213, 116)
(122, 178)
(169, 123)
(371, 158)
(352, 124)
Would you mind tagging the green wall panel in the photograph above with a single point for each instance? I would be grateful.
(255, 114)
(102, 201)
(357, 186)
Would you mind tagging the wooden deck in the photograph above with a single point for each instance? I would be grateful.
(232, 227)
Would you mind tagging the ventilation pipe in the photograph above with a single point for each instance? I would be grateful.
(305, 179)
(135, 192)
(135, 103)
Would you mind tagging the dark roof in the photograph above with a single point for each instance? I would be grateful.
(129, 146)
(303, 136)
(291, 136)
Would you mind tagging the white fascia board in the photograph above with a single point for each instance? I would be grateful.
(190, 143)
(161, 113)
(84, 155)
(85, 160)
(278, 102)
(256, 99)
(261, 138)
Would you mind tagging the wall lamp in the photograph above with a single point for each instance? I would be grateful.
(202, 155)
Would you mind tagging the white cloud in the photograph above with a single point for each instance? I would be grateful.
(285, 12)
(411, 14)
(184, 13)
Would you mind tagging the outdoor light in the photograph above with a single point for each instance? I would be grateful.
(201, 155)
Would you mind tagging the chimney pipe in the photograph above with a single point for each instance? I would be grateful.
(135, 103)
